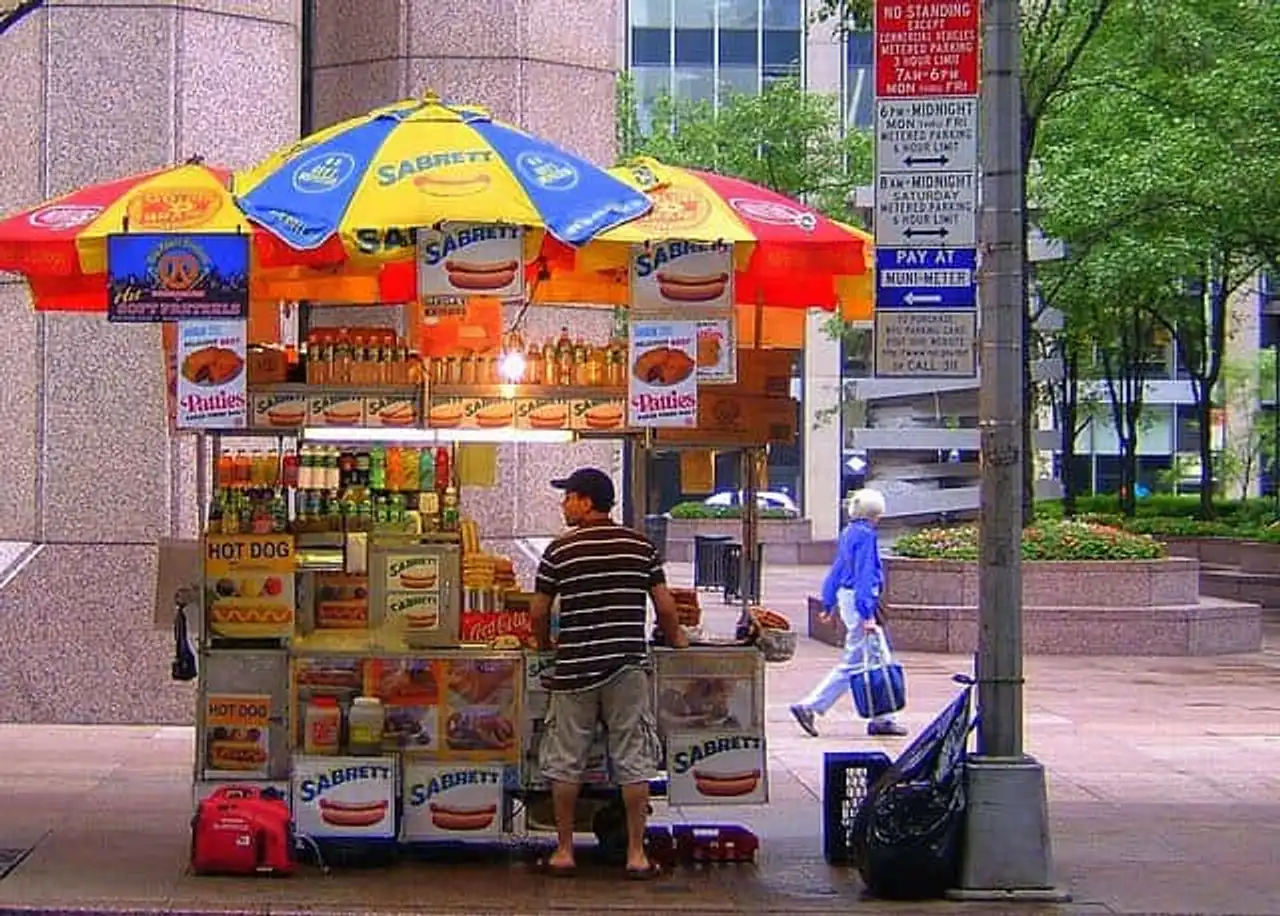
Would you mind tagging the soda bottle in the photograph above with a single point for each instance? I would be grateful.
(410, 471)
(290, 476)
(395, 469)
(377, 468)
(244, 469)
(226, 471)
(442, 468)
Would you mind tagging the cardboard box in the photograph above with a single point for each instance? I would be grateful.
(345, 797)
(727, 418)
(766, 373)
(451, 801)
(717, 768)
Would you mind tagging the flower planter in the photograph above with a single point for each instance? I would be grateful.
(1100, 607)
(782, 538)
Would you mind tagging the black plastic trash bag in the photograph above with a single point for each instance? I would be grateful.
(908, 832)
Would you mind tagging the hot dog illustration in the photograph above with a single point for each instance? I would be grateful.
(691, 287)
(418, 578)
(401, 413)
(455, 185)
(726, 785)
(481, 275)
(352, 814)
(289, 413)
(451, 817)
(344, 413)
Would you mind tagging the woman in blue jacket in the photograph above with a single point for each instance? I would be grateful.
(853, 587)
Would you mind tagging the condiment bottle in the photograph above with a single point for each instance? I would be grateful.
(449, 513)
(533, 365)
(290, 470)
(365, 725)
(323, 726)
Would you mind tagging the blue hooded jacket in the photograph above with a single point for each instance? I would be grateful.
(856, 566)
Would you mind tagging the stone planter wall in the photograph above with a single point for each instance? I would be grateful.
(784, 540)
(1136, 607)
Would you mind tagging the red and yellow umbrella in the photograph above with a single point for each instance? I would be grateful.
(787, 256)
(60, 246)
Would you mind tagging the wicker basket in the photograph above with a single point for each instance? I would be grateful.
(777, 645)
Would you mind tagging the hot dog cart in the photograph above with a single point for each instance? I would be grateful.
(362, 650)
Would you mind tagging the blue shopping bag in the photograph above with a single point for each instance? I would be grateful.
(881, 689)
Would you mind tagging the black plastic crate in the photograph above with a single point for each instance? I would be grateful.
(846, 779)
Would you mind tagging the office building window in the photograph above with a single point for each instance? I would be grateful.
(650, 13)
(1187, 429)
(860, 87)
(739, 14)
(712, 48)
(695, 47)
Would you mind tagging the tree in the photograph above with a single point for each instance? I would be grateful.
(1251, 445)
(1170, 136)
(1055, 36)
(784, 138)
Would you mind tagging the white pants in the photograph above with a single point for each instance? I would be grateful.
(860, 653)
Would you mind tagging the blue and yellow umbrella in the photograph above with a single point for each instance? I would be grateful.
(373, 180)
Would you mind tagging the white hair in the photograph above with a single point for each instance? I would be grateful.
(866, 503)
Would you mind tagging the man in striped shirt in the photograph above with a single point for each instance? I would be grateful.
(604, 575)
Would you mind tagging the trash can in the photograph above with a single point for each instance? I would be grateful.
(655, 529)
(708, 560)
(731, 574)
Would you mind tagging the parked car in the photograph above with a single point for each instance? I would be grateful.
(771, 500)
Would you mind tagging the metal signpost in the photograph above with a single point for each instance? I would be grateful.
(926, 189)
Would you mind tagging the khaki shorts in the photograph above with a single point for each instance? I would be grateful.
(624, 705)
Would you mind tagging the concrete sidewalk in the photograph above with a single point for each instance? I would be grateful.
(1164, 793)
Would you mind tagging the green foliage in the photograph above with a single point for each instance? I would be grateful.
(1167, 516)
(1043, 540)
(1158, 171)
(701, 511)
(784, 138)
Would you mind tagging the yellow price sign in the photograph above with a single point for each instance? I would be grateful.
(228, 553)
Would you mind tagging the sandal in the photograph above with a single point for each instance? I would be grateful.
(557, 871)
(651, 871)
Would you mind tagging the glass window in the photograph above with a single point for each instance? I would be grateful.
(695, 83)
(860, 97)
(738, 47)
(860, 49)
(651, 46)
(695, 14)
(651, 83)
(650, 13)
(1269, 325)
(781, 48)
(856, 352)
(695, 46)
(742, 80)
(1187, 432)
(782, 14)
(739, 14)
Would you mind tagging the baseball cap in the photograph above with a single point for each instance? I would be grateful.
(592, 483)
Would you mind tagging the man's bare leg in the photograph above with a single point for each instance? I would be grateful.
(635, 798)
(564, 799)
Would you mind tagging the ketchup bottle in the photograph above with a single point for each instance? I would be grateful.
(290, 480)
(443, 477)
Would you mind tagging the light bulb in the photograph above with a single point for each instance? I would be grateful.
(512, 366)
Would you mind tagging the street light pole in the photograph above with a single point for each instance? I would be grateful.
(1007, 850)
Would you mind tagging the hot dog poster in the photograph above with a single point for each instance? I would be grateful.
(717, 768)
(662, 386)
(352, 797)
(236, 730)
(678, 274)
(481, 713)
(458, 801)
(410, 692)
(212, 385)
(460, 260)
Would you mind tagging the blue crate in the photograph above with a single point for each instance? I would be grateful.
(847, 777)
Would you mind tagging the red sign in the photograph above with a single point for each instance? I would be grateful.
(926, 48)
(488, 627)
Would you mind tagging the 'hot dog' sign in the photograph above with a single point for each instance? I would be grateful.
(345, 796)
(682, 275)
(459, 260)
(717, 769)
(442, 799)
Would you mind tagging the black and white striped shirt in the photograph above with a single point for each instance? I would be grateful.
(602, 574)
